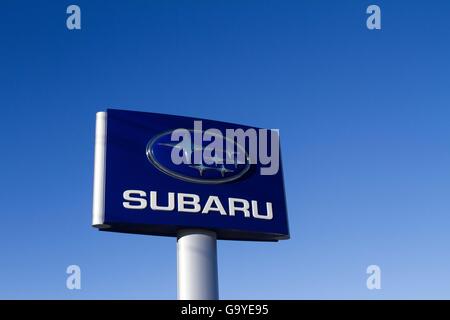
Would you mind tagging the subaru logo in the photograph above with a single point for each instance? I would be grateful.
(159, 150)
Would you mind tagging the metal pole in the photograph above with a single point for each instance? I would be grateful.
(197, 265)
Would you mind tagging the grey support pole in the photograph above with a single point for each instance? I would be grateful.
(197, 265)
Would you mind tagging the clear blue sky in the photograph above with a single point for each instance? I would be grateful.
(363, 117)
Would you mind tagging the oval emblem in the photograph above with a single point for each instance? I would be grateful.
(159, 150)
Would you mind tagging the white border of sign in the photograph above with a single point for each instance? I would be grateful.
(98, 203)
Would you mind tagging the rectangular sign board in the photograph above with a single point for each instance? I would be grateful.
(138, 188)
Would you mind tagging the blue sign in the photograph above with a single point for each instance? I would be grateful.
(143, 190)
